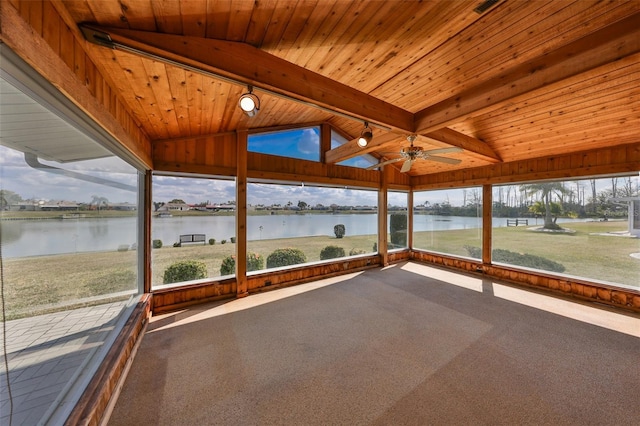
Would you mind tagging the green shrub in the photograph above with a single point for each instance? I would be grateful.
(157, 244)
(398, 228)
(339, 230)
(177, 244)
(355, 251)
(255, 262)
(185, 270)
(375, 247)
(228, 265)
(285, 257)
(212, 241)
(233, 240)
(518, 259)
(331, 252)
(223, 242)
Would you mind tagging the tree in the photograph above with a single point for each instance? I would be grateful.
(177, 201)
(627, 188)
(594, 194)
(7, 198)
(99, 201)
(539, 208)
(302, 205)
(546, 190)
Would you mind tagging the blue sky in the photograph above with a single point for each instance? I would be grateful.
(297, 143)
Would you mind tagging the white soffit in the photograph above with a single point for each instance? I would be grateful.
(29, 127)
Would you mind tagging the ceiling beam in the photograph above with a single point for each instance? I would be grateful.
(351, 148)
(244, 64)
(472, 146)
(606, 45)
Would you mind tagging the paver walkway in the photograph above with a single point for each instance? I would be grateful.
(45, 354)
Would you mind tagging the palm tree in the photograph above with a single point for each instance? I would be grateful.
(546, 190)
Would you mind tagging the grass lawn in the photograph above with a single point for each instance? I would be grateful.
(37, 284)
(582, 253)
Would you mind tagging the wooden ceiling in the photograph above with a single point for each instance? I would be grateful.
(522, 80)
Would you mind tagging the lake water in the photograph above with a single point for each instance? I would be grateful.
(22, 238)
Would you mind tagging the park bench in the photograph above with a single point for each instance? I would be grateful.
(516, 222)
(193, 238)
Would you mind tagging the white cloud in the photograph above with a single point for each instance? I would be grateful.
(309, 142)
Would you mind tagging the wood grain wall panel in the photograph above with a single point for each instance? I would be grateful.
(194, 21)
(36, 10)
(194, 96)
(209, 155)
(217, 23)
(165, 300)
(620, 159)
(453, 52)
(257, 283)
(576, 92)
(341, 66)
(161, 86)
(51, 26)
(289, 47)
(176, 80)
(239, 17)
(262, 12)
(283, 15)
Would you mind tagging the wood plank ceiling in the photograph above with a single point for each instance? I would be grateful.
(522, 80)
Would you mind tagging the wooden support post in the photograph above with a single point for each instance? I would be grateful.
(325, 141)
(487, 223)
(382, 217)
(241, 215)
(410, 220)
(147, 275)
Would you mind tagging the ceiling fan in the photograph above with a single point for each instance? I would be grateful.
(413, 153)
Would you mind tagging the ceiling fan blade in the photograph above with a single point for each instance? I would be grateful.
(406, 166)
(443, 150)
(384, 163)
(442, 159)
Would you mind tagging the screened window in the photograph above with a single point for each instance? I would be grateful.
(69, 226)
(361, 161)
(581, 228)
(193, 229)
(397, 220)
(449, 221)
(303, 143)
(294, 224)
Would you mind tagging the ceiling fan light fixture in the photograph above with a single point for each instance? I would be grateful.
(365, 136)
(249, 103)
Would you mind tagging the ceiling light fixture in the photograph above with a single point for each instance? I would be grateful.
(249, 103)
(365, 136)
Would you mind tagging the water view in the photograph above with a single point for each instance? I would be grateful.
(21, 238)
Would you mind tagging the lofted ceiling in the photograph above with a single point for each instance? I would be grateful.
(521, 80)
